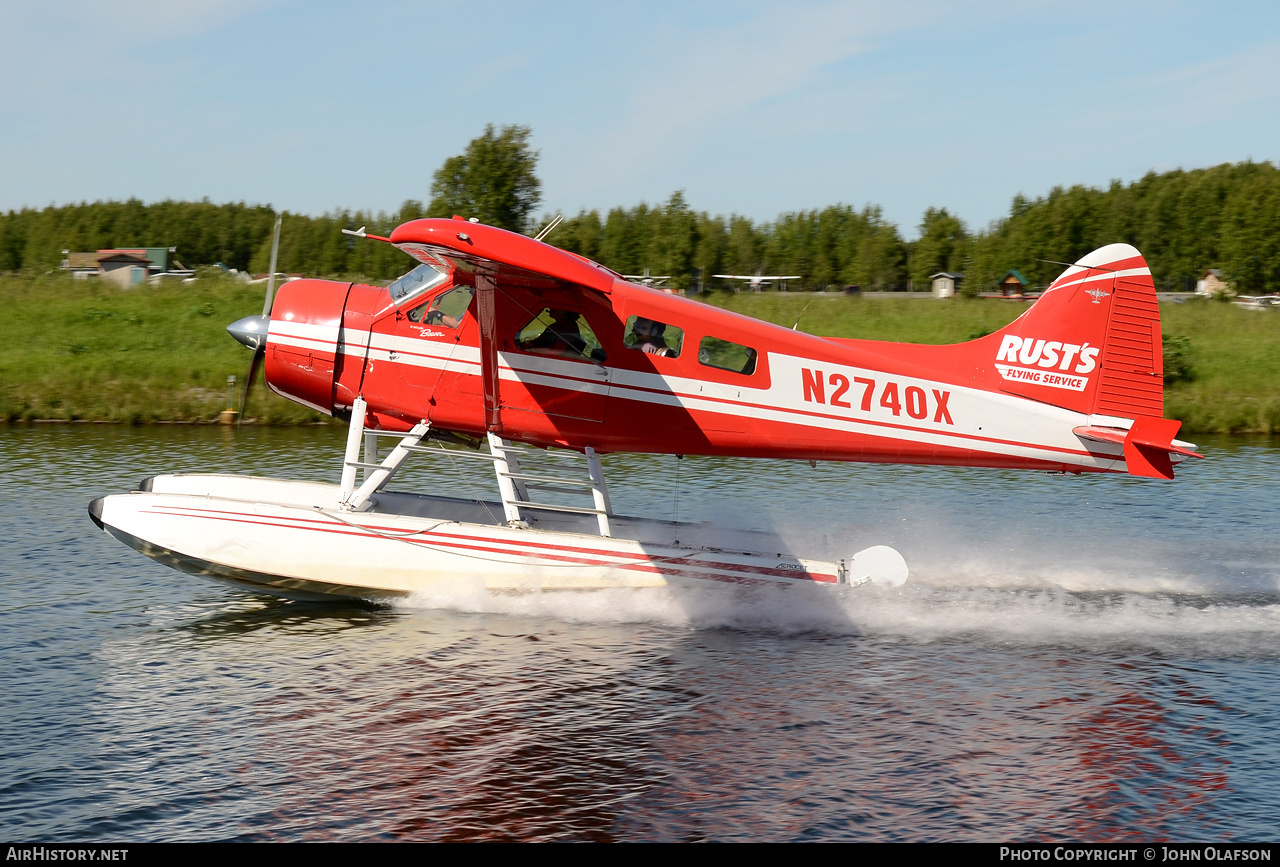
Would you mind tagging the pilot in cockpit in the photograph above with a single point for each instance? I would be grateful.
(447, 310)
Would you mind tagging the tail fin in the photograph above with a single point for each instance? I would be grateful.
(1091, 343)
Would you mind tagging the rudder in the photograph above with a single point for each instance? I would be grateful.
(1091, 343)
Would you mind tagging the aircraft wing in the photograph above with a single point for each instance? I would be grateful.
(754, 277)
(505, 256)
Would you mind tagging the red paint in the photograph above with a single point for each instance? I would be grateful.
(800, 397)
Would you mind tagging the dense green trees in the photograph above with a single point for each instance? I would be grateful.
(236, 235)
(1184, 222)
(829, 248)
(493, 180)
(203, 232)
(942, 246)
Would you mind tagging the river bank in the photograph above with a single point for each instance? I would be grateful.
(88, 351)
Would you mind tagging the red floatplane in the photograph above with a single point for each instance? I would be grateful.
(548, 358)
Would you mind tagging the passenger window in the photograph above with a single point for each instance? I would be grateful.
(561, 333)
(447, 310)
(655, 338)
(714, 352)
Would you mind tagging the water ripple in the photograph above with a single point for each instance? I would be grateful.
(1043, 674)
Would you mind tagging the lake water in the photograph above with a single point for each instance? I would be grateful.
(1074, 659)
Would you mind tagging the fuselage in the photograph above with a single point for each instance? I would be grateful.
(723, 384)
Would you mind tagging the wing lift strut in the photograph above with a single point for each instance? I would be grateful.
(519, 469)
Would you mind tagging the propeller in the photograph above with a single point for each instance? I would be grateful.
(251, 331)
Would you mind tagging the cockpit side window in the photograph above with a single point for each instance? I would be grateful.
(725, 355)
(653, 337)
(447, 310)
(560, 333)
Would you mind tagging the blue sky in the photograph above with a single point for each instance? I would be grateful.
(753, 108)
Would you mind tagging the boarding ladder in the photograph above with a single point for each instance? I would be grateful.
(519, 468)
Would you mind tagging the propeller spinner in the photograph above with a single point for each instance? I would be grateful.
(251, 331)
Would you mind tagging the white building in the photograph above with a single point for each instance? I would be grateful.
(945, 283)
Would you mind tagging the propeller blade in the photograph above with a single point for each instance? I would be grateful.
(254, 366)
(271, 277)
(251, 331)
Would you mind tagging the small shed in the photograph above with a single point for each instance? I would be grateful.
(1013, 284)
(1211, 283)
(158, 257)
(944, 283)
(122, 268)
(81, 265)
(155, 263)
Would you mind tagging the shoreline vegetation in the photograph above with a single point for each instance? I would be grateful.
(88, 351)
(1185, 223)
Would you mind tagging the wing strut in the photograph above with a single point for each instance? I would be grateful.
(376, 474)
(487, 310)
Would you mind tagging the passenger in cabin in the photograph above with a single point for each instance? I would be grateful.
(648, 336)
(561, 337)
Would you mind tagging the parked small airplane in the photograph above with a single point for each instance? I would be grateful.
(1258, 302)
(544, 354)
(757, 281)
(646, 280)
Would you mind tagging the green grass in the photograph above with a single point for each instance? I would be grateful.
(908, 320)
(87, 350)
(1235, 361)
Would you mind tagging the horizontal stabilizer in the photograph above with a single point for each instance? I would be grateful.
(1148, 445)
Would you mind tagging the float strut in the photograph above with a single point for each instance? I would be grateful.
(351, 461)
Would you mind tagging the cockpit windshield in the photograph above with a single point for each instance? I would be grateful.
(419, 280)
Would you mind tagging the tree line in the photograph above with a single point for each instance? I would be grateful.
(235, 235)
(1184, 222)
(835, 246)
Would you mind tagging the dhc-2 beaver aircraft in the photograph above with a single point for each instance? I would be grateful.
(546, 355)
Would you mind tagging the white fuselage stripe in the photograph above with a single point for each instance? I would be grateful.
(779, 403)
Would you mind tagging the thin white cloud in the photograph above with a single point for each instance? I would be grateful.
(1216, 88)
(706, 79)
(748, 105)
(61, 51)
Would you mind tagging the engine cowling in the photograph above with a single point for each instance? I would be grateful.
(302, 343)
